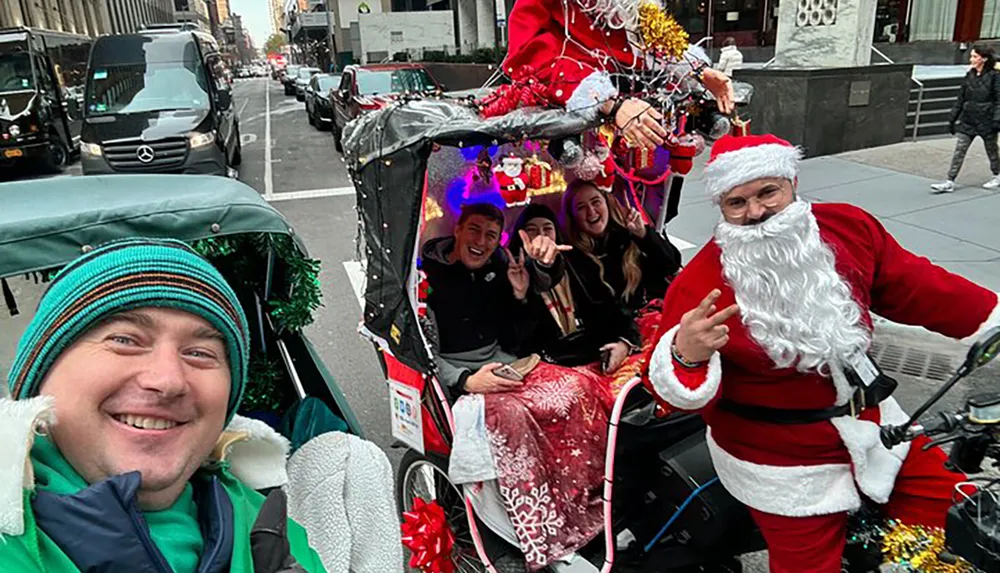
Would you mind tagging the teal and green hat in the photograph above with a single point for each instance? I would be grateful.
(126, 275)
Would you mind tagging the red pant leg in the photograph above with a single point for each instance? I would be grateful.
(812, 544)
(924, 489)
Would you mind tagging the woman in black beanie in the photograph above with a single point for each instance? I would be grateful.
(576, 325)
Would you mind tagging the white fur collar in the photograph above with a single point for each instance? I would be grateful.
(256, 454)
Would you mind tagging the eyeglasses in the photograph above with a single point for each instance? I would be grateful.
(769, 197)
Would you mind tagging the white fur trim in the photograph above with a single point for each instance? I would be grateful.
(259, 462)
(875, 467)
(471, 459)
(798, 491)
(593, 90)
(992, 320)
(843, 386)
(792, 491)
(667, 385)
(735, 168)
(16, 438)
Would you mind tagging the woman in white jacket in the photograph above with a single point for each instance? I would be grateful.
(730, 57)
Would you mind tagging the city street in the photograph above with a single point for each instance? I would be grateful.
(296, 168)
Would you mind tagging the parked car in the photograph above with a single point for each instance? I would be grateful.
(367, 88)
(159, 103)
(41, 96)
(318, 100)
(288, 78)
(302, 80)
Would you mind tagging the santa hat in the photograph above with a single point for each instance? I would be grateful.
(738, 160)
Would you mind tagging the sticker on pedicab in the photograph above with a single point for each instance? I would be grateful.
(407, 425)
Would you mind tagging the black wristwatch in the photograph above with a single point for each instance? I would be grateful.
(610, 118)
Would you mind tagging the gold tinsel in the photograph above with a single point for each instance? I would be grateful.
(917, 548)
(661, 32)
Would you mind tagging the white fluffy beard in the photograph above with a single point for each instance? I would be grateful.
(614, 14)
(792, 300)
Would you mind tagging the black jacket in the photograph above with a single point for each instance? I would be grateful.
(600, 318)
(659, 262)
(472, 308)
(977, 110)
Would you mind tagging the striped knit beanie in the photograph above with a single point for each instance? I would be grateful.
(126, 275)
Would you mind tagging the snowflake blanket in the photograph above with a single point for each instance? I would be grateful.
(548, 440)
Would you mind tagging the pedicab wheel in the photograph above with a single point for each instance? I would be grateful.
(427, 478)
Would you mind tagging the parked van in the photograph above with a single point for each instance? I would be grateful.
(41, 95)
(159, 102)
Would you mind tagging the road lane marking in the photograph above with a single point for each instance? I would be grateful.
(356, 274)
(311, 194)
(268, 173)
(244, 107)
(248, 138)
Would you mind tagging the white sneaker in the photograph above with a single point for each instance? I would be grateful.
(992, 183)
(944, 187)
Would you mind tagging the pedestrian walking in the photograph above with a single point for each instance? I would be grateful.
(976, 113)
(730, 57)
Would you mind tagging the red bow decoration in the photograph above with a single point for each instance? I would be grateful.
(427, 535)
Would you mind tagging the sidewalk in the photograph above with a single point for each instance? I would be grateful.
(958, 230)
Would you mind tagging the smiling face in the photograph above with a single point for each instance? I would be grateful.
(145, 390)
(475, 240)
(757, 201)
(540, 226)
(590, 211)
(976, 59)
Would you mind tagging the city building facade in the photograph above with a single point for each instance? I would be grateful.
(195, 12)
(85, 17)
(128, 16)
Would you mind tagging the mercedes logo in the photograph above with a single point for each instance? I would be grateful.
(145, 153)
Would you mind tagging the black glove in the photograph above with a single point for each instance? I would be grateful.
(951, 128)
(269, 540)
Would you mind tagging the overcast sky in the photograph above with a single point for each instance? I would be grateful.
(255, 18)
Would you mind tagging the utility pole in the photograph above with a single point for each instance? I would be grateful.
(329, 38)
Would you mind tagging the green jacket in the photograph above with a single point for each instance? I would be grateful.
(35, 552)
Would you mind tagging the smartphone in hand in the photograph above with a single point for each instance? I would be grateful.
(508, 372)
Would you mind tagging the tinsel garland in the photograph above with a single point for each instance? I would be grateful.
(661, 33)
(291, 310)
(910, 548)
(917, 548)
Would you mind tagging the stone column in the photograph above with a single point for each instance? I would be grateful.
(467, 36)
(485, 23)
(825, 33)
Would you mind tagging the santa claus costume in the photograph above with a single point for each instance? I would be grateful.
(806, 280)
(575, 52)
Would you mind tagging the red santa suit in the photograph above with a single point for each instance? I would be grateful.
(800, 480)
(572, 53)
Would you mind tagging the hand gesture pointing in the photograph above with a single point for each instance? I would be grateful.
(702, 331)
(542, 248)
(517, 274)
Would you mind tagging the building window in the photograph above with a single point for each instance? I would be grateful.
(691, 14)
(991, 20)
(933, 20)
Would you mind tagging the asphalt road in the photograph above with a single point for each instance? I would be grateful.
(303, 162)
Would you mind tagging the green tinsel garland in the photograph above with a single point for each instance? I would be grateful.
(290, 308)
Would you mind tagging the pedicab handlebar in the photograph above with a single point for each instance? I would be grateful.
(974, 432)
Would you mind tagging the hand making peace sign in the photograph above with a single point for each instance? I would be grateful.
(517, 274)
(702, 331)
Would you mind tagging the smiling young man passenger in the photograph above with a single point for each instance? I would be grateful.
(767, 331)
(123, 383)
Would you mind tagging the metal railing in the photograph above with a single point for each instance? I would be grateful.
(887, 59)
(920, 101)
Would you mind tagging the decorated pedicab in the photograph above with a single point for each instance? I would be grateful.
(47, 223)
(414, 165)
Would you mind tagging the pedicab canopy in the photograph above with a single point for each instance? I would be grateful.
(387, 153)
(46, 223)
